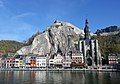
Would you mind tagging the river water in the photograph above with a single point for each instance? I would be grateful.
(59, 77)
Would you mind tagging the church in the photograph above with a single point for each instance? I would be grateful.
(90, 49)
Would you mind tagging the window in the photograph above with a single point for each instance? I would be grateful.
(16, 61)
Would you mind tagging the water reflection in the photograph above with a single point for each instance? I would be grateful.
(61, 77)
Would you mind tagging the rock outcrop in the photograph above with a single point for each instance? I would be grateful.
(54, 36)
(111, 30)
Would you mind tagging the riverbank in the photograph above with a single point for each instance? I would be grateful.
(61, 69)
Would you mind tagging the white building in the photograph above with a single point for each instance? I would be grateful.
(51, 63)
(41, 62)
(67, 62)
(16, 63)
(58, 60)
(27, 61)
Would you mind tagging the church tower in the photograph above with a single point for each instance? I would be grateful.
(86, 30)
(90, 49)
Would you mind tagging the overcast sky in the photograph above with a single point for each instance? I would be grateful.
(19, 19)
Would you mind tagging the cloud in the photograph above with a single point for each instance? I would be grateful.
(15, 29)
(22, 15)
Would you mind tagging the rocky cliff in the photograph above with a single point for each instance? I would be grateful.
(55, 35)
(111, 30)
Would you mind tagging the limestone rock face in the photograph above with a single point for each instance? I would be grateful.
(41, 44)
(55, 35)
(24, 50)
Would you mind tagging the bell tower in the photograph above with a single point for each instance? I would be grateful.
(86, 30)
(90, 49)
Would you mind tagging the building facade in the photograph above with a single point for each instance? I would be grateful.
(9, 62)
(77, 60)
(90, 49)
(58, 61)
(114, 58)
(41, 62)
(67, 62)
(51, 63)
(0, 62)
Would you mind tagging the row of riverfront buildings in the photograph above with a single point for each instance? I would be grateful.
(35, 61)
(87, 56)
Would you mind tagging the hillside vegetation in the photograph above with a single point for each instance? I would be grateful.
(110, 43)
(8, 45)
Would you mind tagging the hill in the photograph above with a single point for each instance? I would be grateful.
(10, 46)
(55, 36)
(109, 43)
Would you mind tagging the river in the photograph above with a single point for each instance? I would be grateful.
(59, 77)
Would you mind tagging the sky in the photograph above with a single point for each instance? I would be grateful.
(20, 19)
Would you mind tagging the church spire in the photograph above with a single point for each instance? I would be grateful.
(86, 30)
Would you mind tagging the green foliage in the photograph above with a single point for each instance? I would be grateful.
(8, 45)
(109, 44)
